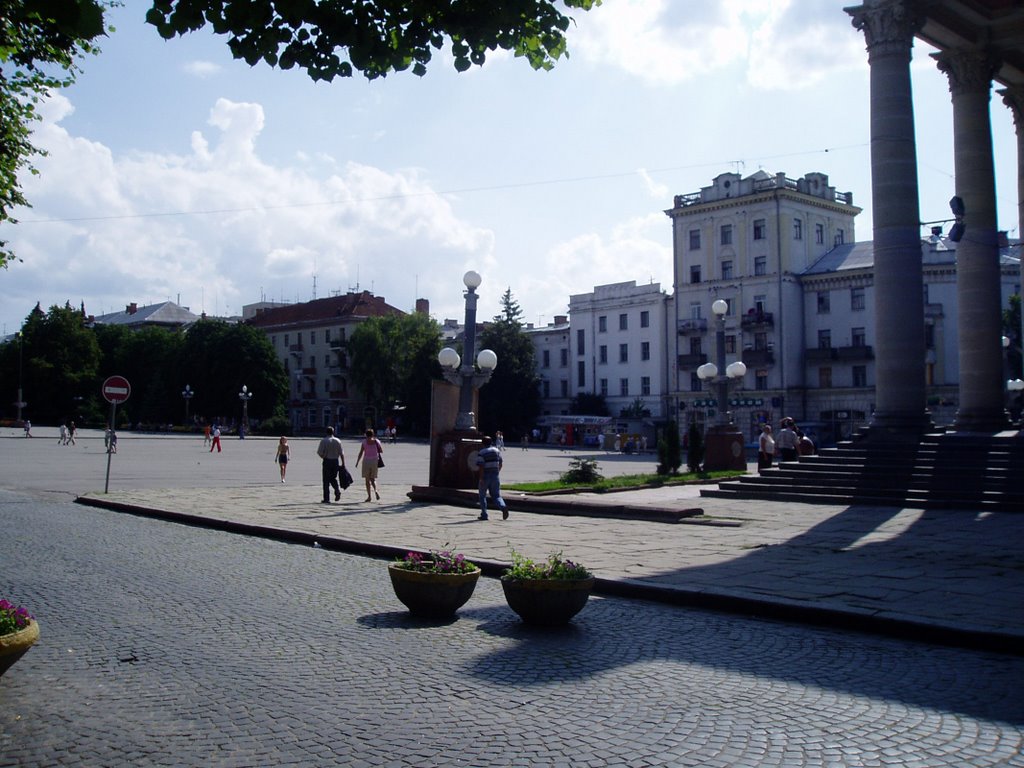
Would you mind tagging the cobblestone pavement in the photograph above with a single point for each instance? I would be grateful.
(170, 645)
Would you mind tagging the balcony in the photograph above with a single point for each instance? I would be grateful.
(758, 357)
(309, 371)
(295, 348)
(693, 325)
(754, 319)
(822, 355)
(856, 353)
(692, 361)
(933, 310)
(338, 344)
(338, 394)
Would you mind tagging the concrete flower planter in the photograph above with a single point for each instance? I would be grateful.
(432, 595)
(14, 645)
(546, 602)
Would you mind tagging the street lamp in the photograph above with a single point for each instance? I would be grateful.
(21, 402)
(245, 396)
(187, 393)
(724, 441)
(466, 377)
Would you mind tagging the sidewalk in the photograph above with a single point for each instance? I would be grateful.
(950, 577)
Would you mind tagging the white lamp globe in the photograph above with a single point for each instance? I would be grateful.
(707, 371)
(472, 280)
(720, 307)
(736, 370)
(449, 358)
(487, 359)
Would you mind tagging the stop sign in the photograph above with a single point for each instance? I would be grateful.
(116, 389)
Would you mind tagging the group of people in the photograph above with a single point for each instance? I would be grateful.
(335, 474)
(788, 445)
(68, 432)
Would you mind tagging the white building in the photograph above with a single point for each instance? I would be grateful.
(551, 348)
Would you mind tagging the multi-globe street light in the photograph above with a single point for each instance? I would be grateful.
(724, 442)
(187, 394)
(245, 396)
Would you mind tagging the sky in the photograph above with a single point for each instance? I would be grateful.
(177, 173)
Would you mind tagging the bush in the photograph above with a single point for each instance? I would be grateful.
(582, 471)
(695, 450)
(275, 425)
(670, 453)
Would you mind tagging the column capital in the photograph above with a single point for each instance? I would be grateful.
(1013, 97)
(889, 26)
(968, 70)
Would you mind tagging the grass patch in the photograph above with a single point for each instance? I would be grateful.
(624, 481)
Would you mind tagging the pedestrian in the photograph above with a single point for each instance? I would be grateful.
(282, 454)
(373, 453)
(333, 457)
(617, 445)
(526, 441)
(28, 428)
(207, 437)
(804, 444)
(600, 441)
(488, 464)
(499, 440)
(71, 433)
(215, 443)
(765, 447)
(63, 439)
(787, 441)
(111, 440)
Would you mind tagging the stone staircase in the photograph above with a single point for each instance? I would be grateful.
(980, 472)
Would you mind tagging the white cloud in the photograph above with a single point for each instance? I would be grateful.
(202, 69)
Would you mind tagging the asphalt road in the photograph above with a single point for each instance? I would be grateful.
(170, 645)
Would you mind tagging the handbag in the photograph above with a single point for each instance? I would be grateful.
(380, 461)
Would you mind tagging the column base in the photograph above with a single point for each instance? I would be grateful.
(723, 449)
(455, 459)
(987, 420)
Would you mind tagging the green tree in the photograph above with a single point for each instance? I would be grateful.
(148, 358)
(694, 448)
(589, 404)
(394, 359)
(511, 400)
(670, 454)
(375, 37)
(41, 42)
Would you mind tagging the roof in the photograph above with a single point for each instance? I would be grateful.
(166, 314)
(936, 249)
(323, 311)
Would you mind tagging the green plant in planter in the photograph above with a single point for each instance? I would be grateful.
(12, 618)
(438, 561)
(582, 471)
(555, 567)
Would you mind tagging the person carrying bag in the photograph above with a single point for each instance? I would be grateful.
(373, 453)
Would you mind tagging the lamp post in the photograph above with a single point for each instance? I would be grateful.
(21, 402)
(466, 376)
(187, 393)
(453, 462)
(724, 441)
(1013, 386)
(245, 396)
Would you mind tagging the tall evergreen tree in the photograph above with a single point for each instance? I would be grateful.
(511, 400)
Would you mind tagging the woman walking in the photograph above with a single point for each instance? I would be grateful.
(371, 450)
(282, 454)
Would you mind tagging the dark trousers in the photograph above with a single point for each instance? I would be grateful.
(331, 478)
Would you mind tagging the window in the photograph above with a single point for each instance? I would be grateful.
(563, 357)
(581, 344)
(327, 335)
(819, 234)
(624, 387)
(824, 302)
(312, 337)
(581, 374)
(730, 344)
(645, 385)
(694, 239)
(759, 301)
(327, 361)
(563, 387)
(929, 336)
(726, 232)
(312, 361)
(856, 298)
(860, 376)
(623, 322)
(695, 383)
(695, 273)
(798, 229)
(604, 387)
(761, 340)
(602, 354)
(825, 339)
(761, 381)
(311, 415)
(731, 307)
(695, 310)
(645, 319)
(760, 265)
(759, 229)
(273, 340)
(840, 237)
(623, 353)
(602, 324)
(695, 345)
(645, 350)
(546, 358)
(286, 339)
(727, 270)
(546, 385)
(858, 338)
(825, 378)
(327, 387)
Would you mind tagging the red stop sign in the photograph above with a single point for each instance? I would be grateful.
(116, 389)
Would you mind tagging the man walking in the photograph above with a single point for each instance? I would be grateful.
(488, 463)
(330, 451)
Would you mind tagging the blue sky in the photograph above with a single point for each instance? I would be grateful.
(178, 173)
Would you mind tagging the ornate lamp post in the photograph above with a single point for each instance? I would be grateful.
(187, 393)
(459, 446)
(245, 396)
(21, 400)
(724, 441)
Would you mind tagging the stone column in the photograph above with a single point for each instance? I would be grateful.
(1014, 99)
(979, 321)
(900, 395)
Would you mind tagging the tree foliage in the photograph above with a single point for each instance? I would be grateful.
(394, 359)
(41, 42)
(670, 454)
(374, 37)
(511, 400)
(589, 404)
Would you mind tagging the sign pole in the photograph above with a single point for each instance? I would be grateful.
(115, 389)
(113, 421)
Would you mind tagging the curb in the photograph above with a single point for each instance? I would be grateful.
(777, 609)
